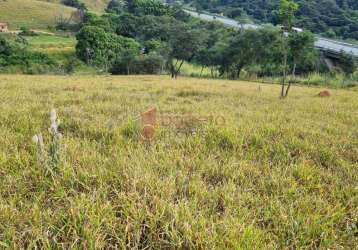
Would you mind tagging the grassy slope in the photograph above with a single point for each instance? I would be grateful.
(31, 13)
(93, 5)
(50, 44)
(278, 173)
(96, 5)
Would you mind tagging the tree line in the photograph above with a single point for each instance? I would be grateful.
(136, 31)
(148, 37)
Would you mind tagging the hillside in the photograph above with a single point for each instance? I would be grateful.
(96, 5)
(31, 13)
(93, 5)
(270, 175)
(40, 14)
(332, 18)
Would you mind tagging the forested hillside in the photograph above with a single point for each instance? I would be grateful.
(332, 18)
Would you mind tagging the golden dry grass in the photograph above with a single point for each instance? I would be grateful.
(279, 174)
(93, 5)
(31, 13)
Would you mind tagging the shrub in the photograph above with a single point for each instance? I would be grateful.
(75, 3)
(15, 55)
(143, 64)
(71, 64)
(27, 32)
(115, 6)
(99, 48)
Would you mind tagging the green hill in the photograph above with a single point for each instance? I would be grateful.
(32, 13)
(333, 18)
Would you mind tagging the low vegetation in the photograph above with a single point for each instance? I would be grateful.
(272, 174)
(50, 43)
(16, 57)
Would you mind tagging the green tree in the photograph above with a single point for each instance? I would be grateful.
(302, 52)
(115, 6)
(333, 17)
(242, 51)
(152, 7)
(286, 12)
(248, 48)
(103, 22)
(76, 4)
(125, 25)
(131, 5)
(183, 45)
(99, 48)
(211, 54)
(347, 63)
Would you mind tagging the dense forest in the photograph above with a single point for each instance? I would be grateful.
(332, 18)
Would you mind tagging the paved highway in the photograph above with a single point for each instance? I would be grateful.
(324, 44)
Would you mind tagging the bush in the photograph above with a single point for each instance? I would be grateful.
(17, 58)
(75, 3)
(143, 64)
(115, 6)
(71, 64)
(100, 48)
(149, 64)
(27, 32)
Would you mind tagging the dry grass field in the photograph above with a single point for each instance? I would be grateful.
(32, 13)
(272, 174)
(41, 14)
(93, 5)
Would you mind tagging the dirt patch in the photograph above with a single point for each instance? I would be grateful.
(324, 93)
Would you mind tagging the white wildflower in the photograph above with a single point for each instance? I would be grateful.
(40, 141)
(54, 122)
(35, 139)
(53, 128)
(53, 116)
(49, 155)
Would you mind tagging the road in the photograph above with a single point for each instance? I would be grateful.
(324, 44)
